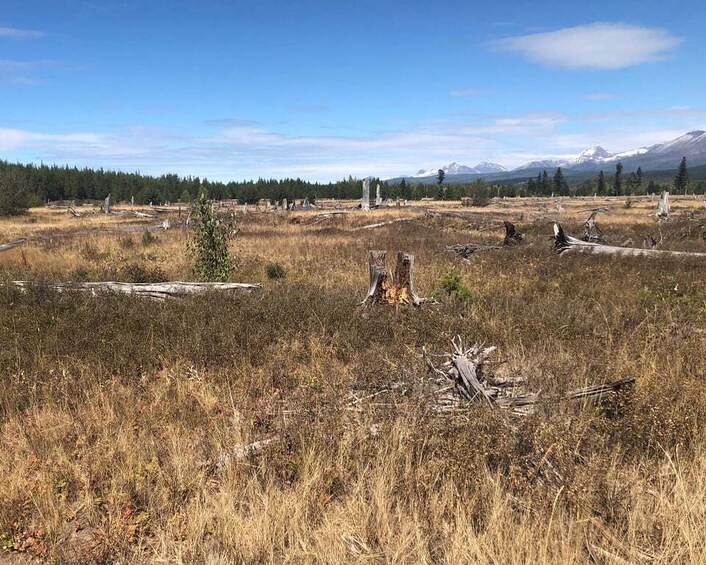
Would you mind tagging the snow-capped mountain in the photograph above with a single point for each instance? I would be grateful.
(544, 164)
(662, 156)
(455, 169)
(595, 153)
(486, 167)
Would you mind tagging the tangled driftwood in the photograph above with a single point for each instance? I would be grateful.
(467, 380)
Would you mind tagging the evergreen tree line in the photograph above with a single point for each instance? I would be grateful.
(33, 185)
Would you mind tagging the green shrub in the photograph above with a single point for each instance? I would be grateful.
(275, 271)
(209, 246)
(148, 238)
(452, 285)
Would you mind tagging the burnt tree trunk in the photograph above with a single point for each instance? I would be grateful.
(404, 279)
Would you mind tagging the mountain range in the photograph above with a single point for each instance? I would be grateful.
(661, 156)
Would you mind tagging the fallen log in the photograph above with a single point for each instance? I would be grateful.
(565, 243)
(157, 291)
(49, 236)
(465, 250)
(381, 224)
(11, 244)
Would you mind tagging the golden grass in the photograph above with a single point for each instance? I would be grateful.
(115, 410)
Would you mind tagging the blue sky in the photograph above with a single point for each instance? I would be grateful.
(326, 88)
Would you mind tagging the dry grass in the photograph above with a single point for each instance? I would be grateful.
(115, 410)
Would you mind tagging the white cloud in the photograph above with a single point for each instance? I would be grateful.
(241, 148)
(14, 33)
(592, 46)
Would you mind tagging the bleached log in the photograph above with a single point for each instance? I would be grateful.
(381, 224)
(158, 291)
(143, 215)
(565, 243)
(12, 244)
(75, 213)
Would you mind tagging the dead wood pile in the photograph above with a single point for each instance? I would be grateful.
(464, 377)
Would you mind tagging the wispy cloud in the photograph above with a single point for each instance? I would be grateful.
(18, 34)
(21, 72)
(230, 123)
(469, 92)
(592, 46)
(241, 148)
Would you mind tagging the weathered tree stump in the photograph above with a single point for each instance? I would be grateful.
(384, 289)
(512, 236)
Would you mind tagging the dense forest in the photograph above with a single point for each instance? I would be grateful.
(33, 185)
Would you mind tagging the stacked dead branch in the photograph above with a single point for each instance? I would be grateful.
(465, 250)
(157, 291)
(565, 243)
(464, 377)
(591, 231)
(396, 289)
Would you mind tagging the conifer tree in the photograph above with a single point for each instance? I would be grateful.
(618, 182)
(682, 179)
(601, 183)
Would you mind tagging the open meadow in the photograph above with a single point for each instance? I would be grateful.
(292, 425)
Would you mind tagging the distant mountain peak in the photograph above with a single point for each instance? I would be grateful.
(595, 153)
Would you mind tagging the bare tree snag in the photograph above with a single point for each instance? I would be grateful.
(365, 200)
(106, 205)
(158, 291)
(565, 243)
(663, 210)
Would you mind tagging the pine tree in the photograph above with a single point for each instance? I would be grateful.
(618, 182)
(638, 175)
(682, 178)
(440, 175)
(601, 183)
(561, 187)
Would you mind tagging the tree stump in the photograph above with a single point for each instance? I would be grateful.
(398, 289)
